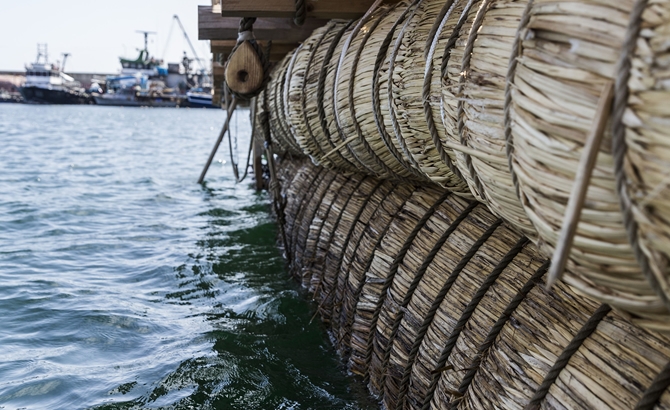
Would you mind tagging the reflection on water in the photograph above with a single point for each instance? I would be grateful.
(126, 285)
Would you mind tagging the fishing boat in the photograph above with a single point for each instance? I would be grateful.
(140, 83)
(200, 97)
(137, 91)
(46, 83)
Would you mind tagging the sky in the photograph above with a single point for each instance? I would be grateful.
(96, 33)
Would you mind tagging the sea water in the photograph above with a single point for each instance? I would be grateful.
(124, 284)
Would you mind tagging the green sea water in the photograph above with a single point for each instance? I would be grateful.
(125, 285)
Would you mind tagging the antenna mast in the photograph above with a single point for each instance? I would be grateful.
(146, 39)
(65, 56)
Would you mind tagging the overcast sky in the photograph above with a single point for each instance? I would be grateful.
(95, 32)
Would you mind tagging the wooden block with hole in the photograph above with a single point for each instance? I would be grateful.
(244, 71)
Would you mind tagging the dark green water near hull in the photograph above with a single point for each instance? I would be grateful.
(124, 284)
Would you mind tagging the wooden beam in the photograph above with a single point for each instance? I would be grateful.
(321, 9)
(277, 52)
(226, 46)
(218, 70)
(214, 27)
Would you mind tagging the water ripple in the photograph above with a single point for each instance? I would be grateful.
(126, 285)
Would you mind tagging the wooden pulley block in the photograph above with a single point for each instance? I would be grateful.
(244, 71)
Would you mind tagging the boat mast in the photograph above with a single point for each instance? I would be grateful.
(65, 56)
(146, 39)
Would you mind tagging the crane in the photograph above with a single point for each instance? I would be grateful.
(195, 55)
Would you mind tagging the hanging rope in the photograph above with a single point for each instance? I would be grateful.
(247, 70)
(233, 164)
(274, 188)
(300, 12)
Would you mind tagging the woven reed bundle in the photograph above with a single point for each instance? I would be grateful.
(278, 127)
(369, 146)
(336, 223)
(303, 223)
(436, 279)
(455, 26)
(561, 71)
(366, 307)
(312, 257)
(313, 89)
(269, 99)
(279, 148)
(357, 259)
(330, 129)
(370, 191)
(488, 310)
(478, 81)
(401, 273)
(372, 208)
(294, 191)
(410, 324)
(408, 121)
(356, 114)
(646, 140)
(294, 91)
(445, 323)
(603, 373)
(380, 76)
(474, 309)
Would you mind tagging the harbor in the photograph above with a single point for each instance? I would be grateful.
(401, 205)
